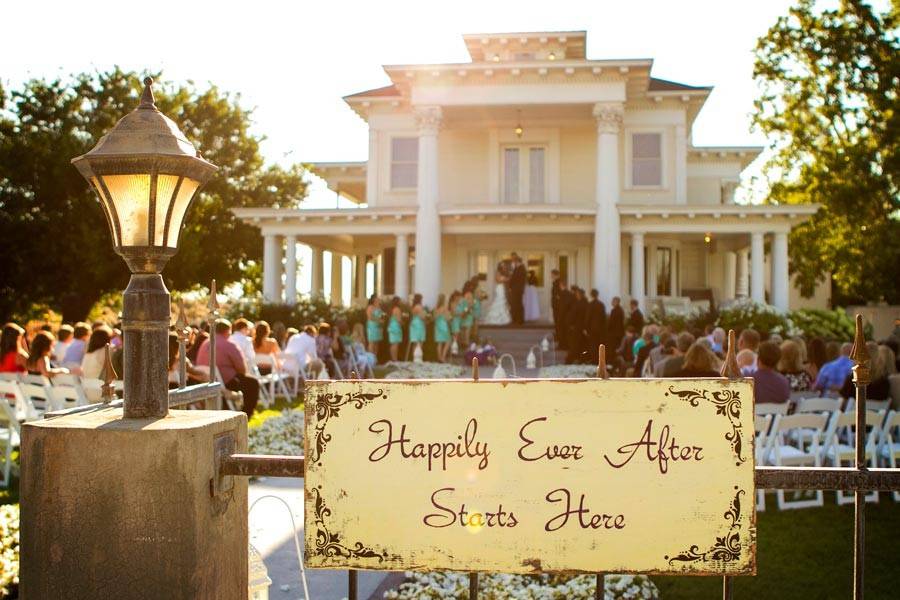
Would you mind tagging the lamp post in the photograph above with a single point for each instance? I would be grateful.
(145, 173)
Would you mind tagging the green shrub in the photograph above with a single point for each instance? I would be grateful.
(765, 319)
(833, 324)
(697, 318)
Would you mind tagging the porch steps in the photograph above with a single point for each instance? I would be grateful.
(517, 341)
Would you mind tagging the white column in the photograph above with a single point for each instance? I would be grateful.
(607, 234)
(271, 261)
(360, 277)
(290, 269)
(729, 277)
(652, 271)
(401, 267)
(316, 275)
(637, 267)
(757, 268)
(428, 221)
(742, 287)
(372, 169)
(681, 164)
(780, 278)
(336, 279)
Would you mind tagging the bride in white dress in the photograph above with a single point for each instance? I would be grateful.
(498, 312)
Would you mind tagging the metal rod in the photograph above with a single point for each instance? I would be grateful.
(727, 587)
(473, 577)
(600, 588)
(213, 317)
(263, 465)
(352, 591)
(475, 369)
(860, 357)
(194, 393)
(827, 478)
(602, 373)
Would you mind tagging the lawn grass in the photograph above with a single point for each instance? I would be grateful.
(261, 415)
(808, 554)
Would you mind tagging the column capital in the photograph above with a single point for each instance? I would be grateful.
(428, 119)
(609, 116)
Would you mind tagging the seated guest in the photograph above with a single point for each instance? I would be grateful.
(791, 366)
(358, 343)
(38, 362)
(699, 361)
(748, 340)
(770, 386)
(95, 354)
(881, 366)
(13, 349)
(660, 353)
(263, 344)
(833, 374)
(717, 339)
(325, 346)
(231, 366)
(746, 360)
(63, 341)
(198, 336)
(671, 366)
(75, 352)
(668, 349)
(625, 347)
(241, 339)
(301, 352)
(642, 348)
(193, 374)
(815, 355)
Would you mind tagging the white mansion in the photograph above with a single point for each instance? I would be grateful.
(582, 165)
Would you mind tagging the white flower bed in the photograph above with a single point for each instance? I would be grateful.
(424, 370)
(568, 371)
(9, 548)
(520, 587)
(279, 435)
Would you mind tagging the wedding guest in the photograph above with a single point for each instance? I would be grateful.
(38, 362)
(357, 343)
(395, 328)
(636, 317)
(455, 319)
(791, 366)
(699, 361)
(95, 354)
(566, 304)
(769, 386)
(374, 324)
(279, 332)
(468, 318)
(199, 336)
(596, 326)
(231, 366)
(193, 374)
(63, 341)
(616, 326)
(642, 348)
(75, 352)
(13, 350)
(442, 328)
(717, 338)
(881, 367)
(832, 351)
(658, 353)
(478, 296)
(325, 347)
(554, 301)
(417, 323)
(241, 338)
(748, 340)
(302, 353)
(264, 344)
(673, 365)
(459, 319)
(833, 374)
(575, 320)
(746, 361)
(816, 357)
(625, 349)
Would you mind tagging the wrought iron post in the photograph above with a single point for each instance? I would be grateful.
(145, 325)
(731, 371)
(182, 331)
(212, 318)
(860, 357)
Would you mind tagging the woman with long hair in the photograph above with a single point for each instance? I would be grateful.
(95, 353)
(38, 362)
(395, 328)
(266, 345)
(358, 343)
(417, 323)
(374, 319)
(13, 349)
(699, 361)
(456, 318)
(791, 366)
(442, 328)
(816, 357)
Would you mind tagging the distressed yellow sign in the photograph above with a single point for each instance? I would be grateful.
(651, 476)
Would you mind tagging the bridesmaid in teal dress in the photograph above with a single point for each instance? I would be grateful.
(442, 328)
(417, 325)
(468, 317)
(374, 317)
(476, 306)
(456, 319)
(395, 328)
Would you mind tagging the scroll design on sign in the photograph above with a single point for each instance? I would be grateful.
(727, 547)
(329, 544)
(328, 405)
(728, 404)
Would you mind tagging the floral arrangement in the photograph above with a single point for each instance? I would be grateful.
(423, 370)
(9, 550)
(282, 435)
(763, 318)
(694, 318)
(455, 586)
(833, 324)
(568, 371)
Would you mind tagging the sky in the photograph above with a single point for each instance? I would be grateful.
(293, 61)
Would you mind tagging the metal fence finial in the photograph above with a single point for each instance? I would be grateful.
(730, 368)
(475, 368)
(602, 373)
(859, 354)
(108, 375)
(213, 300)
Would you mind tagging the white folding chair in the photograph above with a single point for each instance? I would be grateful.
(22, 407)
(10, 434)
(40, 395)
(889, 449)
(762, 424)
(818, 405)
(771, 408)
(34, 379)
(8, 376)
(841, 453)
(233, 400)
(276, 377)
(787, 452)
(69, 390)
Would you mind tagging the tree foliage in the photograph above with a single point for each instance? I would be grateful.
(53, 236)
(829, 80)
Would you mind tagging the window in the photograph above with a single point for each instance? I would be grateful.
(534, 265)
(524, 175)
(663, 271)
(482, 266)
(404, 162)
(646, 159)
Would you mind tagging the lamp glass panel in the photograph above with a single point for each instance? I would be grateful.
(109, 218)
(165, 186)
(185, 193)
(131, 197)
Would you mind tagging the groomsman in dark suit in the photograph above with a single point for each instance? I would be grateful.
(595, 325)
(616, 325)
(517, 282)
(554, 302)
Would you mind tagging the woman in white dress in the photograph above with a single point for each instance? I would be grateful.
(531, 302)
(498, 312)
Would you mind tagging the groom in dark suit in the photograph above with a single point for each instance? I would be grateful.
(517, 281)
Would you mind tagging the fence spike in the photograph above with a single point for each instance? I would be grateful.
(859, 354)
(181, 319)
(108, 375)
(730, 368)
(602, 373)
(475, 368)
(213, 300)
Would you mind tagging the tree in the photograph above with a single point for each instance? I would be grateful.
(829, 82)
(53, 236)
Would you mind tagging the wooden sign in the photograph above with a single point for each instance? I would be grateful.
(650, 476)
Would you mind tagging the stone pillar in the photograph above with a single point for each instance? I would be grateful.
(271, 260)
(780, 277)
(757, 267)
(132, 508)
(316, 274)
(652, 271)
(607, 237)
(290, 269)
(401, 267)
(742, 287)
(336, 280)
(681, 145)
(428, 221)
(729, 278)
(360, 277)
(637, 268)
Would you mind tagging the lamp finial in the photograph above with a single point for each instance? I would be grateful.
(147, 99)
